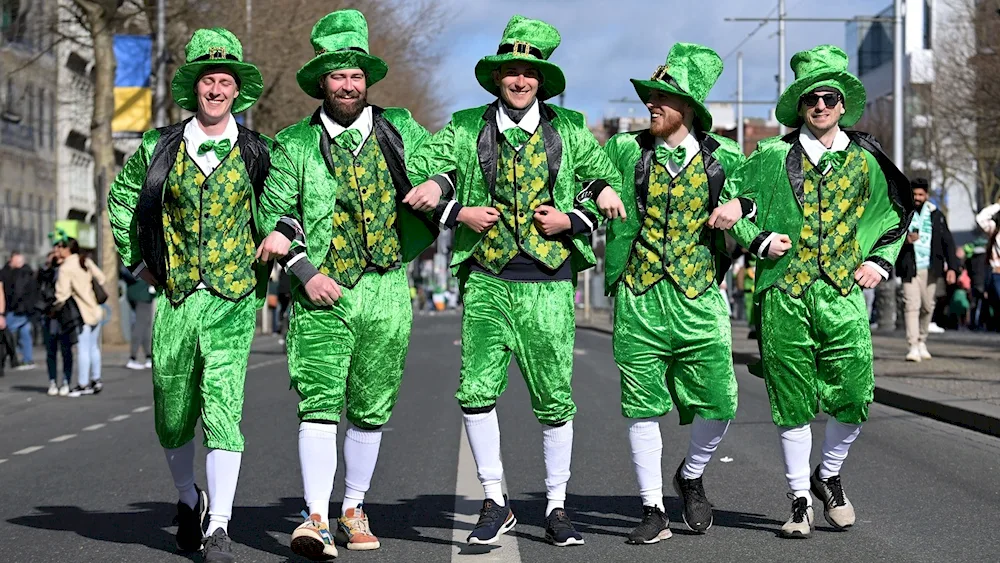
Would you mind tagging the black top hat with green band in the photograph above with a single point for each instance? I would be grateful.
(340, 40)
(690, 73)
(822, 66)
(209, 49)
(528, 40)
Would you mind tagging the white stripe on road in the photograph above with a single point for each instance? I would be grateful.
(93, 427)
(3, 461)
(119, 418)
(468, 501)
(29, 450)
(63, 438)
(141, 409)
(267, 363)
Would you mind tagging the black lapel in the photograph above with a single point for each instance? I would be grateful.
(391, 144)
(900, 192)
(487, 146)
(713, 168)
(324, 143)
(149, 207)
(553, 146)
(642, 169)
(793, 165)
(256, 157)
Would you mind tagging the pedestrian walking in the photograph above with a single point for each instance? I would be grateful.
(140, 297)
(989, 221)
(81, 280)
(59, 326)
(20, 292)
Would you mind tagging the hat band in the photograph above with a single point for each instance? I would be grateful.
(521, 48)
(662, 76)
(358, 49)
(216, 57)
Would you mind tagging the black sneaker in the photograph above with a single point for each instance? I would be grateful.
(218, 548)
(494, 520)
(653, 528)
(190, 523)
(697, 510)
(560, 531)
(80, 391)
(96, 386)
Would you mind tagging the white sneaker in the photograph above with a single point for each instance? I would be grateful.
(934, 329)
(149, 363)
(800, 523)
(914, 354)
(53, 389)
(924, 354)
(133, 364)
(64, 390)
(25, 367)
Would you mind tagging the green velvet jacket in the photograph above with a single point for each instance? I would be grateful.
(467, 149)
(632, 155)
(302, 185)
(772, 177)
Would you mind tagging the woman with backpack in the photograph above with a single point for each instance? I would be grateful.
(81, 280)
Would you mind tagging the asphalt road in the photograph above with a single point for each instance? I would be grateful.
(84, 479)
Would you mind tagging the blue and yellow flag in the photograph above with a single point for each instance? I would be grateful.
(133, 96)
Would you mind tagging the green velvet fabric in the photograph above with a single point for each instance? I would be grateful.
(212, 48)
(525, 34)
(824, 65)
(339, 41)
(690, 72)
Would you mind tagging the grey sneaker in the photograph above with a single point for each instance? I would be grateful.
(837, 509)
(218, 548)
(800, 523)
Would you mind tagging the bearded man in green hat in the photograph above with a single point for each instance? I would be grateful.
(832, 213)
(664, 264)
(185, 216)
(522, 234)
(337, 199)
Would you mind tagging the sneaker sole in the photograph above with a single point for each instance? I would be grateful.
(569, 542)
(795, 535)
(677, 489)
(507, 526)
(826, 511)
(313, 549)
(838, 527)
(665, 534)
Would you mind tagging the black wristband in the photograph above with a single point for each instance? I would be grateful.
(286, 230)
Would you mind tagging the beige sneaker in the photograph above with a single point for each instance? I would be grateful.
(352, 529)
(313, 540)
(800, 523)
(837, 509)
(914, 354)
(924, 354)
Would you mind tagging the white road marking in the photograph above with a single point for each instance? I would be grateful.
(267, 363)
(3, 461)
(63, 438)
(28, 450)
(468, 501)
(93, 427)
(119, 418)
(141, 409)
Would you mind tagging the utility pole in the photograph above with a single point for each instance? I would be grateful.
(739, 101)
(160, 118)
(897, 84)
(781, 55)
(248, 114)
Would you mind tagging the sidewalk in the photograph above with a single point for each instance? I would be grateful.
(961, 385)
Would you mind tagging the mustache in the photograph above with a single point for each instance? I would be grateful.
(354, 94)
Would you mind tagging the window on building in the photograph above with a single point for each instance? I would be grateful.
(928, 12)
(52, 121)
(76, 140)
(13, 21)
(29, 120)
(40, 126)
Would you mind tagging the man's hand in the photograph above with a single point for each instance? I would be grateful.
(146, 276)
(726, 215)
(424, 197)
(550, 221)
(867, 277)
(478, 219)
(322, 290)
(778, 247)
(912, 237)
(275, 245)
(950, 277)
(610, 204)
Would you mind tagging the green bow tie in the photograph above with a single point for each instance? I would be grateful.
(835, 159)
(349, 139)
(220, 147)
(677, 155)
(516, 136)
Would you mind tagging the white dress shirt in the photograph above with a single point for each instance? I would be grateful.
(194, 136)
(363, 124)
(691, 148)
(529, 123)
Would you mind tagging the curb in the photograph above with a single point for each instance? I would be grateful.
(967, 413)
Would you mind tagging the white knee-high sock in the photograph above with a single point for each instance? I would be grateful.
(483, 431)
(223, 471)
(181, 463)
(647, 455)
(318, 459)
(839, 437)
(705, 438)
(557, 446)
(360, 455)
(796, 445)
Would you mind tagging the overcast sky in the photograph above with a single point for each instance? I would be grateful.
(604, 43)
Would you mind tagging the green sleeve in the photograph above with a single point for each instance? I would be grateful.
(593, 164)
(123, 197)
(884, 217)
(435, 155)
(281, 189)
(744, 182)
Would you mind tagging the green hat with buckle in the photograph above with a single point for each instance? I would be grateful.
(530, 41)
(211, 49)
(824, 66)
(690, 73)
(339, 40)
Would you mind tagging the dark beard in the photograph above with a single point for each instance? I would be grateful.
(341, 114)
(669, 128)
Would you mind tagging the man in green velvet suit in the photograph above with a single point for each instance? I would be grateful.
(522, 233)
(185, 215)
(832, 212)
(664, 264)
(337, 199)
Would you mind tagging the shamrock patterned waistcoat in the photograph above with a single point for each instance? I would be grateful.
(364, 219)
(522, 185)
(207, 227)
(831, 208)
(673, 241)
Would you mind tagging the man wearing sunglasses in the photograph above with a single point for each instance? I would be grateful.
(832, 212)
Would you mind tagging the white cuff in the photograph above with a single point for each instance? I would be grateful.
(138, 269)
(447, 212)
(877, 268)
(583, 216)
(753, 211)
(294, 259)
(762, 251)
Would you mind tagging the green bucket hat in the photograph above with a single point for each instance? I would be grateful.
(527, 40)
(690, 72)
(823, 66)
(340, 40)
(210, 48)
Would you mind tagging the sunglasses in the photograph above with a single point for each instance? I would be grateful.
(829, 100)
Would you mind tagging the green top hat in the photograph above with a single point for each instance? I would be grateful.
(690, 72)
(823, 66)
(211, 48)
(340, 40)
(525, 40)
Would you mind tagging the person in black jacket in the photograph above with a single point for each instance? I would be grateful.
(58, 327)
(20, 291)
(928, 253)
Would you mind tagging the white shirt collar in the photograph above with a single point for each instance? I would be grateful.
(691, 148)
(363, 124)
(529, 123)
(194, 136)
(814, 148)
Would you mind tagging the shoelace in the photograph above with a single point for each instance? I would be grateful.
(214, 541)
(799, 507)
(358, 526)
(694, 488)
(488, 513)
(560, 520)
(836, 490)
